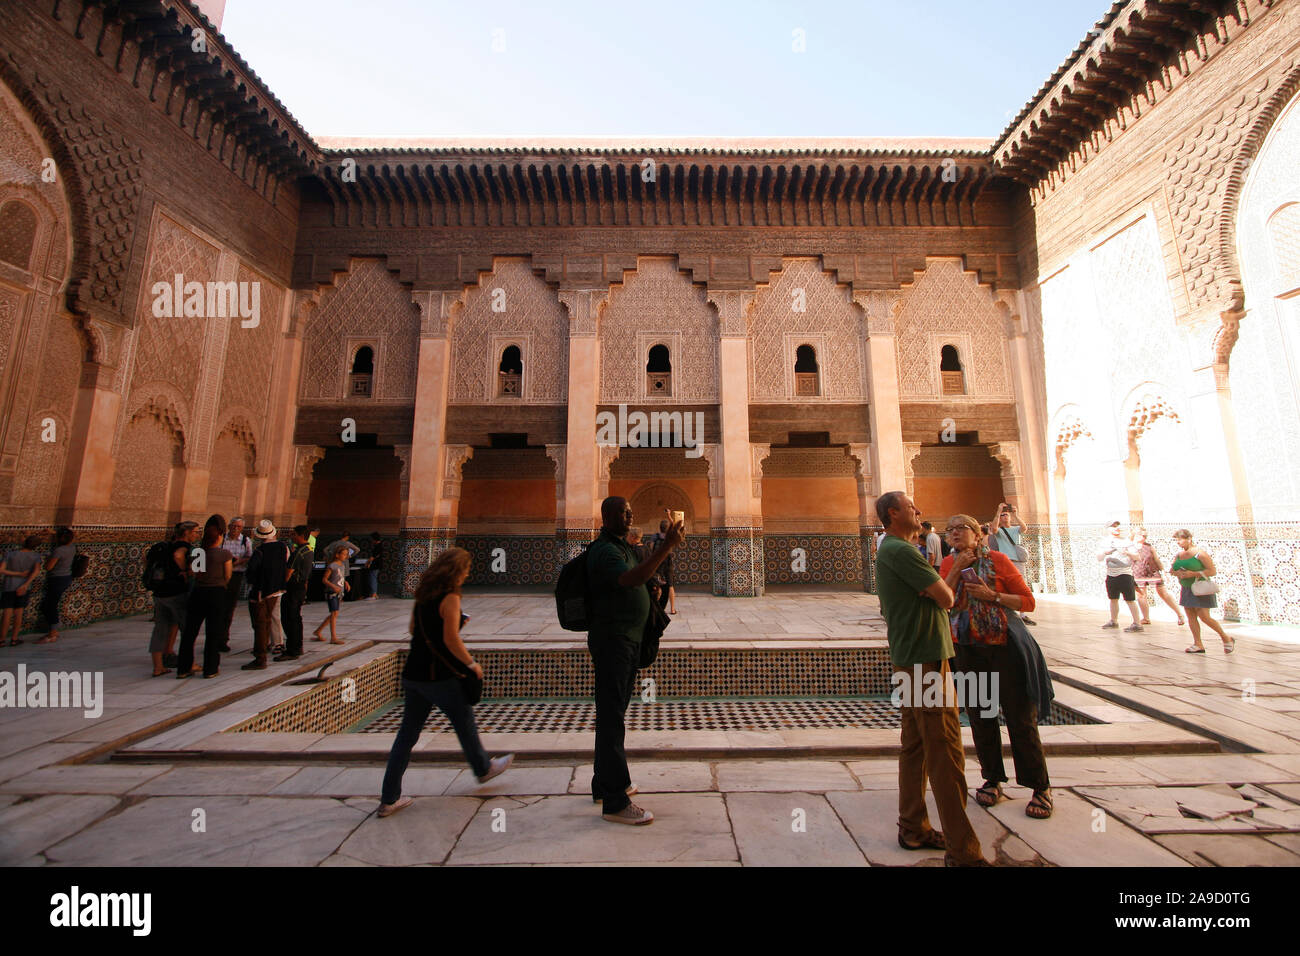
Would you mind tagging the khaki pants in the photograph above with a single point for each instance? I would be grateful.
(931, 748)
(266, 627)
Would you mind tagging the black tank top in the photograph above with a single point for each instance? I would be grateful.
(429, 617)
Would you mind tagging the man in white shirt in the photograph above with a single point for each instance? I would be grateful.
(1118, 552)
(1007, 540)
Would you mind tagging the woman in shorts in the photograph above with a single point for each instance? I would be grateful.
(1190, 564)
(1148, 572)
(336, 583)
(18, 570)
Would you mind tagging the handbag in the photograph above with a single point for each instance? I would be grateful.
(1204, 587)
(655, 625)
(471, 685)
(1022, 553)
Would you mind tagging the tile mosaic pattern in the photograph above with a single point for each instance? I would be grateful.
(418, 547)
(335, 705)
(528, 559)
(577, 717)
(826, 559)
(738, 562)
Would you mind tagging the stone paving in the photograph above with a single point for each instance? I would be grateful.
(1113, 810)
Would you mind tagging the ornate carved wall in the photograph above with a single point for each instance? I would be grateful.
(802, 304)
(511, 306)
(654, 305)
(366, 303)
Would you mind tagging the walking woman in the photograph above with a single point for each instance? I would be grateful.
(336, 583)
(1190, 564)
(212, 568)
(430, 679)
(1149, 572)
(987, 586)
(58, 577)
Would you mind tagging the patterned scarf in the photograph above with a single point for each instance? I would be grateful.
(978, 622)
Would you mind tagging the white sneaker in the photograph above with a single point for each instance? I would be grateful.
(496, 767)
(630, 814)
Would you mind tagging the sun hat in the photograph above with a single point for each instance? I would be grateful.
(265, 530)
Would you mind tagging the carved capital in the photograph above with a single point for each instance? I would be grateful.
(733, 310)
(304, 463)
(453, 460)
(881, 309)
(585, 309)
(712, 453)
(106, 341)
(605, 457)
(403, 453)
(305, 304)
(758, 453)
(910, 450)
(557, 454)
(860, 452)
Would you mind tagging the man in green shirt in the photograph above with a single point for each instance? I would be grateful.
(914, 601)
(620, 605)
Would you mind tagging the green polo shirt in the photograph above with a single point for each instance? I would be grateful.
(918, 627)
(617, 610)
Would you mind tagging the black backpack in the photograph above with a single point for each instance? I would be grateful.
(573, 594)
(155, 568)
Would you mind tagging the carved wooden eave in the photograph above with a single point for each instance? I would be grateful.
(1134, 54)
(652, 186)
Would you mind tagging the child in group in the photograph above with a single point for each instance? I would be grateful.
(336, 584)
(18, 570)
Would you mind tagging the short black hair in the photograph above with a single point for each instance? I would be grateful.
(884, 503)
(375, 536)
(301, 530)
(927, 526)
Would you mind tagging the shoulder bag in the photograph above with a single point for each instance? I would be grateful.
(471, 685)
(1022, 553)
(655, 625)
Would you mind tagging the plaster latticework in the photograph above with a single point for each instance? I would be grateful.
(151, 445)
(251, 353)
(367, 301)
(658, 300)
(232, 460)
(533, 318)
(168, 349)
(775, 328)
(943, 300)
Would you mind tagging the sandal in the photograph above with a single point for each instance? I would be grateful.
(1182, 622)
(336, 642)
(16, 641)
(159, 673)
(989, 795)
(50, 639)
(1194, 649)
(1040, 807)
(931, 841)
(1230, 646)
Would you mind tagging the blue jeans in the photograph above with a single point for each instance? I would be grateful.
(421, 698)
(374, 580)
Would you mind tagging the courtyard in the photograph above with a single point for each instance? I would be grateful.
(1184, 760)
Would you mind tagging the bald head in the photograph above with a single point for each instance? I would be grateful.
(616, 515)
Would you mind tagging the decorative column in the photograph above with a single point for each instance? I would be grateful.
(279, 453)
(892, 472)
(860, 452)
(304, 462)
(556, 454)
(910, 450)
(425, 529)
(88, 472)
(578, 519)
(736, 528)
(1033, 504)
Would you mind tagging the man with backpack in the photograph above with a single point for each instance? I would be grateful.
(619, 607)
(266, 573)
(166, 577)
(301, 562)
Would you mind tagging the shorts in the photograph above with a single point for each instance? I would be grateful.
(332, 602)
(1120, 585)
(12, 599)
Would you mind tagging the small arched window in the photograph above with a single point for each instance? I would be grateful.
(954, 379)
(659, 372)
(17, 233)
(806, 374)
(363, 372)
(510, 373)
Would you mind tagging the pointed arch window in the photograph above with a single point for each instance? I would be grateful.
(807, 374)
(510, 373)
(659, 372)
(361, 379)
(950, 370)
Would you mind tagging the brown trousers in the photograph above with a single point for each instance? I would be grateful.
(931, 749)
(266, 626)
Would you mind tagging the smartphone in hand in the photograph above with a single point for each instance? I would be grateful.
(969, 576)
